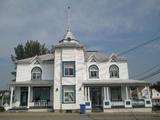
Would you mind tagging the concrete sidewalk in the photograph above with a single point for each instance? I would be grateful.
(77, 114)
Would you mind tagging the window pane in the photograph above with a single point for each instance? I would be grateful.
(66, 71)
(70, 71)
(93, 74)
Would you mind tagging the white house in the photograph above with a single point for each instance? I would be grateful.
(71, 76)
(155, 97)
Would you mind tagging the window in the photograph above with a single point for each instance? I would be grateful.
(41, 93)
(114, 71)
(93, 71)
(116, 94)
(69, 94)
(36, 73)
(68, 69)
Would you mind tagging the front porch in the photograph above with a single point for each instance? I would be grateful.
(104, 96)
(31, 96)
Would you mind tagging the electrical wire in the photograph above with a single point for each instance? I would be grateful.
(151, 75)
(140, 45)
(143, 73)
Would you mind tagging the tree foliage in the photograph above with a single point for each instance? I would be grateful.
(30, 49)
(156, 86)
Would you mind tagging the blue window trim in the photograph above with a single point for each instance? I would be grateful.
(74, 71)
(63, 94)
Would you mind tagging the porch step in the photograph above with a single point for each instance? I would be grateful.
(97, 109)
(18, 109)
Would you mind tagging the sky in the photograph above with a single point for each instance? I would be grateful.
(110, 26)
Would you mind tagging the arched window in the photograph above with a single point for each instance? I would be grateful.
(114, 71)
(36, 73)
(93, 71)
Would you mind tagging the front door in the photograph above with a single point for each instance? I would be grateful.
(96, 99)
(24, 96)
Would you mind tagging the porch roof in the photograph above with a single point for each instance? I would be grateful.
(116, 82)
(33, 83)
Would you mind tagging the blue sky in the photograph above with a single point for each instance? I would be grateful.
(110, 26)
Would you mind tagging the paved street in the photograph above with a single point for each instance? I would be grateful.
(74, 116)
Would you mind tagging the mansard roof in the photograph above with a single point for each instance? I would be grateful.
(45, 57)
(102, 57)
(89, 55)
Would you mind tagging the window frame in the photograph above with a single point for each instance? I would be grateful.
(71, 66)
(35, 74)
(97, 71)
(73, 91)
(114, 73)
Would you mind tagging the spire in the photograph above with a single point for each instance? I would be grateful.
(68, 18)
(69, 34)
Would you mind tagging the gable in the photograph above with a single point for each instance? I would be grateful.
(36, 62)
(113, 58)
(92, 59)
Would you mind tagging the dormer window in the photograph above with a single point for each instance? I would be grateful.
(114, 71)
(93, 71)
(36, 73)
(69, 39)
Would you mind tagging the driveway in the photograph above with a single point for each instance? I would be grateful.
(76, 116)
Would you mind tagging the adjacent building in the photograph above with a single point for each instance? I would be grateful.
(71, 76)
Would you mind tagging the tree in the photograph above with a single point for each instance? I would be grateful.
(156, 86)
(30, 49)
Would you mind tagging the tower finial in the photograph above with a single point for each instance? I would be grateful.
(68, 18)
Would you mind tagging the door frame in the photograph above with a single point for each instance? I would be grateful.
(24, 92)
(96, 90)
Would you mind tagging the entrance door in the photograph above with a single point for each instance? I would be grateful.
(24, 96)
(96, 99)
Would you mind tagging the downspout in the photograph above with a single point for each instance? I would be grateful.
(61, 83)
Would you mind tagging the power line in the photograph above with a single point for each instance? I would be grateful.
(151, 75)
(154, 78)
(149, 70)
(140, 45)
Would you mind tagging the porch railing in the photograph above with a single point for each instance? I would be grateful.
(41, 103)
(117, 103)
(138, 102)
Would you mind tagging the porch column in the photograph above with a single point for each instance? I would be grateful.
(11, 96)
(88, 94)
(85, 93)
(148, 93)
(29, 91)
(126, 92)
(138, 93)
(107, 93)
(2, 98)
(104, 93)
